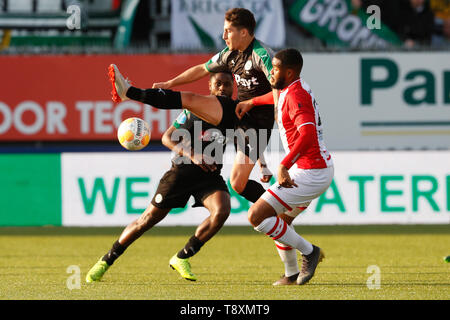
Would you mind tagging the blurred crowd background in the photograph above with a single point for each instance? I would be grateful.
(40, 25)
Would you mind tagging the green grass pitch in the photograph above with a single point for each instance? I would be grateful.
(237, 264)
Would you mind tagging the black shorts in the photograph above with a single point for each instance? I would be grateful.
(183, 181)
(253, 131)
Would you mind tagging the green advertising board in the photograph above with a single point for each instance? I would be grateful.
(30, 190)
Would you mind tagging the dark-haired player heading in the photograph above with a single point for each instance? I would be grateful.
(300, 131)
(176, 187)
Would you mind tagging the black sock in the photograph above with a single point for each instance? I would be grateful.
(115, 252)
(158, 98)
(191, 248)
(252, 191)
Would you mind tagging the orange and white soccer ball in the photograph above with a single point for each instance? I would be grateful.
(134, 134)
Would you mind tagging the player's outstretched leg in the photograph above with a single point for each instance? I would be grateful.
(119, 84)
(208, 108)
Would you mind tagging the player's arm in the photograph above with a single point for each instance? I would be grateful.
(215, 64)
(245, 106)
(265, 171)
(306, 127)
(304, 142)
(304, 121)
(173, 142)
(190, 75)
(300, 147)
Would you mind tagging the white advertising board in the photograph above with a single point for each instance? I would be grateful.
(382, 101)
(112, 189)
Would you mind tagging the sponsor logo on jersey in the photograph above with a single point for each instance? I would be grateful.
(211, 135)
(248, 65)
(248, 83)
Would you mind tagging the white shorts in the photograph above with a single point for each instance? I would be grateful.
(291, 201)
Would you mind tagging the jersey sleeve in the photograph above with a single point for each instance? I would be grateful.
(263, 55)
(263, 100)
(181, 119)
(303, 143)
(218, 63)
(301, 110)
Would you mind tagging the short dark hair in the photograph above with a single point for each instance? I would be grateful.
(290, 58)
(241, 18)
(214, 74)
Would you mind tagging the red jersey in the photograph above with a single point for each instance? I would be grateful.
(301, 128)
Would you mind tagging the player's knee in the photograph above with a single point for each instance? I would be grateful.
(149, 218)
(238, 185)
(143, 223)
(252, 216)
(220, 216)
(286, 218)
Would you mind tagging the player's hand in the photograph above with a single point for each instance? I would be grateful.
(284, 179)
(243, 107)
(161, 85)
(205, 162)
(266, 174)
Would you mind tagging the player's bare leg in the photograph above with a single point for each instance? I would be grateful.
(239, 178)
(264, 219)
(151, 216)
(166, 99)
(240, 172)
(218, 204)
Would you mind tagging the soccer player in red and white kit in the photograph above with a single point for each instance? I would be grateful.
(305, 172)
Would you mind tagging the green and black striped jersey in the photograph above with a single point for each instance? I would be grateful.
(251, 68)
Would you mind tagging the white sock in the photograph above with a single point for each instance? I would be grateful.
(289, 257)
(278, 229)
